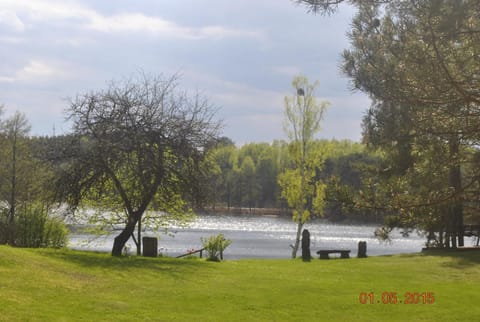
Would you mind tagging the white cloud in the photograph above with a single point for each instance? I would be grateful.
(11, 20)
(12, 40)
(46, 10)
(289, 71)
(131, 23)
(137, 22)
(50, 10)
(37, 69)
(34, 71)
(55, 48)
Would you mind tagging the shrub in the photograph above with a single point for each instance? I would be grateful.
(35, 228)
(214, 246)
(29, 226)
(55, 233)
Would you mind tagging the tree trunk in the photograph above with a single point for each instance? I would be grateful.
(139, 238)
(297, 239)
(455, 181)
(229, 198)
(13, 197)
(120, 241)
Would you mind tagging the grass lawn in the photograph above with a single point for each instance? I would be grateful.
(65, 285)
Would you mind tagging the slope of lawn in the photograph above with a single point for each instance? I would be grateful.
(65, 285)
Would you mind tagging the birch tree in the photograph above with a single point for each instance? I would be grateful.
(303, 115)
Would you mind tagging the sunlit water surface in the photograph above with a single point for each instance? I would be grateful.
(265, 237)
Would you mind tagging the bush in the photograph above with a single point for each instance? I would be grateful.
(34, 228)
(29, 226)
(55, 233)
(214, 246)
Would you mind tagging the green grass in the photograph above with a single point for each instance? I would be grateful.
(64, 285)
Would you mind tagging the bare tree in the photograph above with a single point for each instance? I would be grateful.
(136, 146)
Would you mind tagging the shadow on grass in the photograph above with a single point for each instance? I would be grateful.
(125, 263)
(459, 258)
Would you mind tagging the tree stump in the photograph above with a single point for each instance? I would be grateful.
(150, 246)
(306, 256)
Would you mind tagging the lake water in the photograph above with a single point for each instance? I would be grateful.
(266, 237)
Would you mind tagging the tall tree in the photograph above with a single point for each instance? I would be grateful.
(15, 165)
(267, 169)
(137, 146)
(303, 116)
(424, 56)
(248, 183)
(421, 61)
(225, 157)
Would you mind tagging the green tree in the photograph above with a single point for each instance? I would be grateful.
(346, 166)
(259, 157)
(225, 157)
(419, 61)
(421, 58)
(267, 170)
(137, 146)
(248, 183)
(24, 182)
(15, 167)
(303, 116)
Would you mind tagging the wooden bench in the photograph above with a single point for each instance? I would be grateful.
(344, 253)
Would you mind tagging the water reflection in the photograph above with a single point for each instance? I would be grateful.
(268, 237)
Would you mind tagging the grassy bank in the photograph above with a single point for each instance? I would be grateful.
(48, 285)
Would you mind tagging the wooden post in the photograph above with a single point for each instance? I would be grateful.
(362, 249)
(306, 255)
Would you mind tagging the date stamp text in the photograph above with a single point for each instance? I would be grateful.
(397, 298)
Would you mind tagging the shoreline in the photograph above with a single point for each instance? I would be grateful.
(284, 212)
(279, 212)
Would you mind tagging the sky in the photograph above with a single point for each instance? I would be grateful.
(242, 55)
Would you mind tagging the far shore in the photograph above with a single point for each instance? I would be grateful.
(282, 212)
(247, 211)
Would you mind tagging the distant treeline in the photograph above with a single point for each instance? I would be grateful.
(235, 177)
(246, 177)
